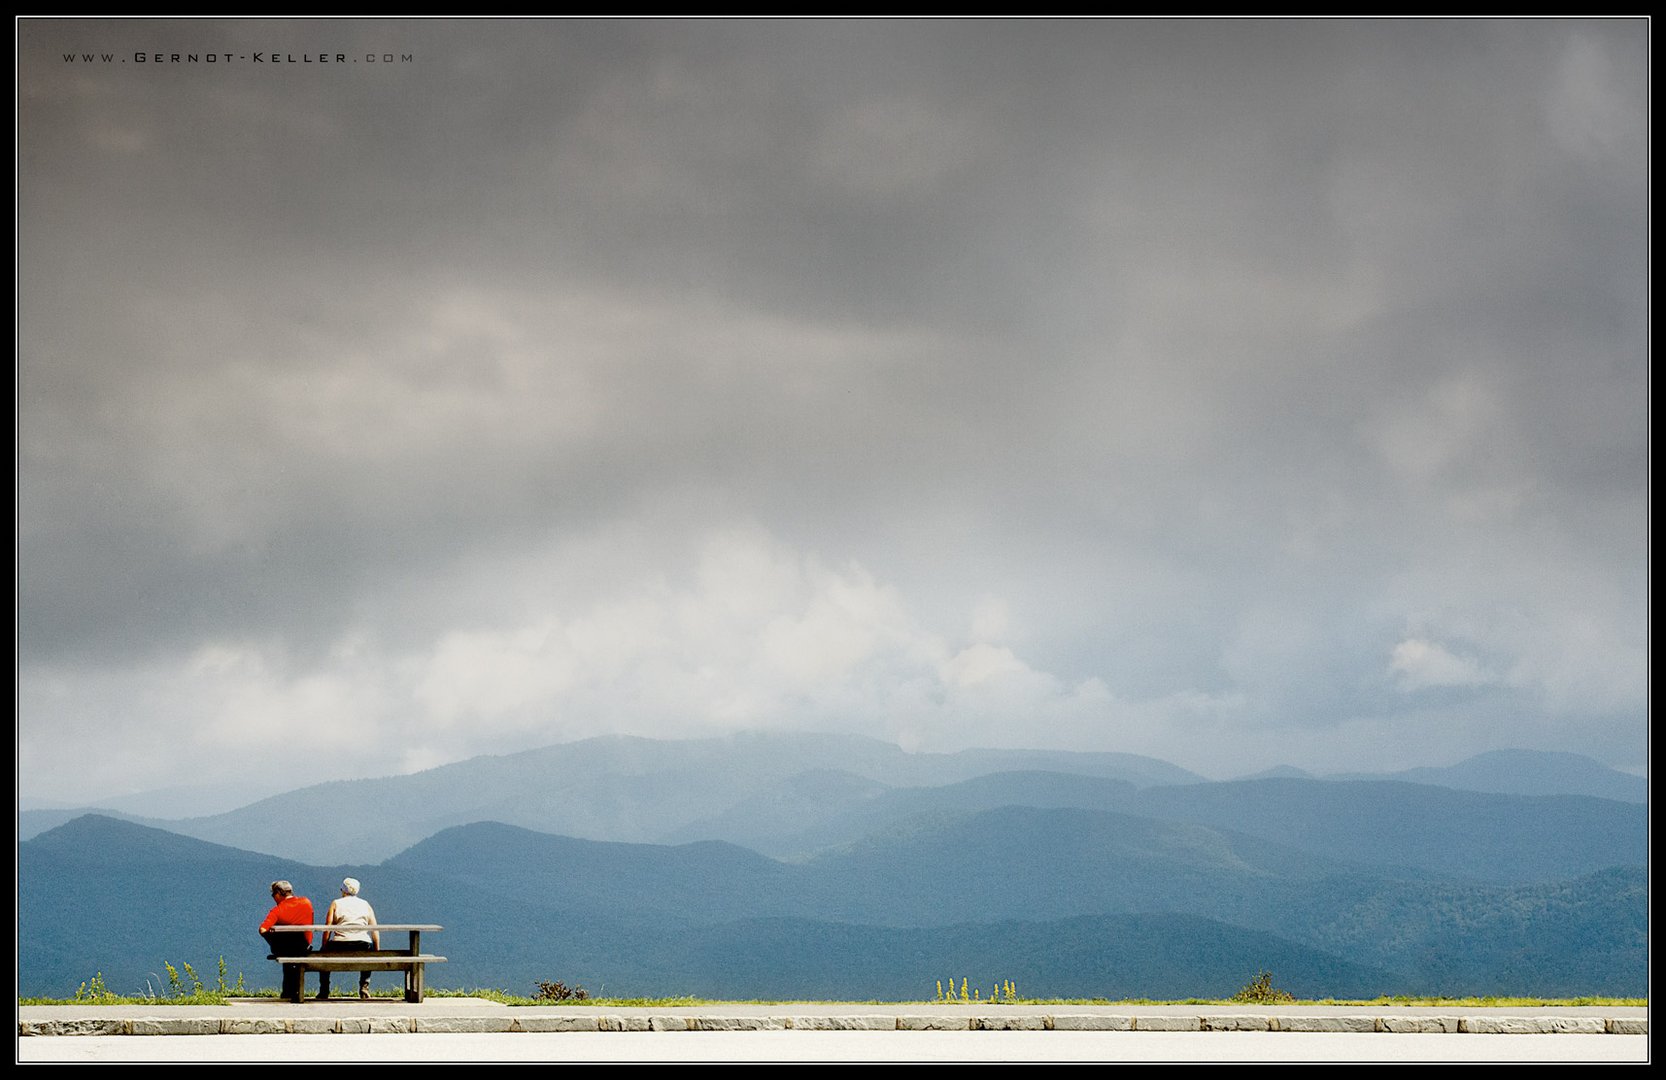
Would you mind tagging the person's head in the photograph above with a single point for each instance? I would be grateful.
(350, 886)
(281, 889)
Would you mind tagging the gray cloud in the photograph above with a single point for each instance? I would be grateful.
(1267, 377)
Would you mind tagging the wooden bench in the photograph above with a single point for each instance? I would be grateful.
(411, 959)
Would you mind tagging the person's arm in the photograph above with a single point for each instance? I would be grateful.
(375, 934)
(271, 920)
(329, 920)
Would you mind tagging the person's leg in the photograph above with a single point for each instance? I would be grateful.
(357, 946)
(275, 947)
(288, 944)
(324, 976)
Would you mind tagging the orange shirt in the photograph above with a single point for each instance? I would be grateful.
(291, 911)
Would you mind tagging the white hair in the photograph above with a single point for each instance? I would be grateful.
(350, 886)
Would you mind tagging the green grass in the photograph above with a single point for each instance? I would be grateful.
(93, 994)
(183, 986)
(1464, 1002)
(1491, 1002)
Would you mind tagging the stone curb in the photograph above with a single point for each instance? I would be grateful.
(840, 1023)
(463, 1025)
(1012, 1023)
(557, 1023)
(508, 1022)
(1330, 1023)
(185, 1025)
(740, 1023)
(1093, 1022)
(375, 1025)
(1418, 1025)
(1532, 1025)
(933, 1023)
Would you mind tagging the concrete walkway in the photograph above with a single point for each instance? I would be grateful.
(266, 1016)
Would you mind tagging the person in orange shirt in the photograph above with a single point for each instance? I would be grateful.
(288, 910)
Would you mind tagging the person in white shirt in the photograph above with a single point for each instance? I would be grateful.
(358, 934)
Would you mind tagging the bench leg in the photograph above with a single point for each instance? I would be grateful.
(413, 984)
(298, 973)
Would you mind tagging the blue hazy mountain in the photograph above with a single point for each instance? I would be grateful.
(31, 823)
(173, 803)
(791, 794)
(1390, 824)
(1282, 772)
(1524, 772)
(1419, 827)
(810, 811)
(1025, 865)
(1026, 862)
(611, 788)
(1064, 901)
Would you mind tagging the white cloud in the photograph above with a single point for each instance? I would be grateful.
(756, 635)
(982, 663)
(1423, 664)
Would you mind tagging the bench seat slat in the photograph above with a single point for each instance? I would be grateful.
(351, 927)
(368, 963)
(332, 954)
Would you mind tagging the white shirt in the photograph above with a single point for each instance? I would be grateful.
(352, 911)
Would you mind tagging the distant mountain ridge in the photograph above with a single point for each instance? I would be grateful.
(1068, 901)
(782, 793)
(811, 811)
(1524, 772)
(1502, 838)
(610, 788)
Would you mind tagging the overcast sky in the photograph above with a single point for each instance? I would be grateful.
(1236, 393)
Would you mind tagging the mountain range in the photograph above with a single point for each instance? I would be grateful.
(832, 867)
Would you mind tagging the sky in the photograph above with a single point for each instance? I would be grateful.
(1237, 393)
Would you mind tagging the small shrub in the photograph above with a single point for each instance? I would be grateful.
(1261, 991)
(176, 984)
(222, 988)
(94, 992)
(560, 991)
(1004, 991)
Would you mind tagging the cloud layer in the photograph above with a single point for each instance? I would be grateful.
(1232, 392)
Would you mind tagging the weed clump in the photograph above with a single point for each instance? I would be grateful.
(1005, 991)
(1261, 991)
(184, 987)
(94, 992)
(560, 991)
